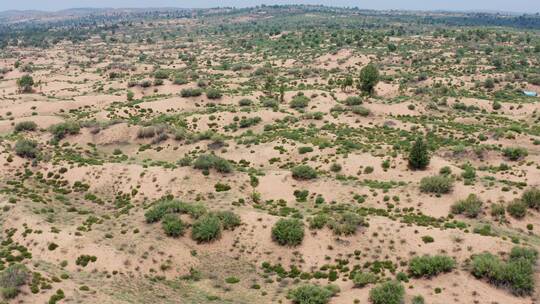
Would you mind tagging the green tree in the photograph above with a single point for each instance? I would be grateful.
(25, 83)
(369, 77)
(419, 156)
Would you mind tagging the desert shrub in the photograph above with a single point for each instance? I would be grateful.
(361, 279)
(173, 225)
(180, 80)
(369, 77)
(222, 187)
(190, 92)
(161, 74)
(429, 266)
(531, 197)
(11, 278)
(288, 232)
(360, 110)
(353, 101)
(517, 274)
(84, 259)
(245, 102)
(418, 300)
(345, 223)
(25, 83)
(318, 221)
(163, 207)
(514, 153)
(418, 156)
(470, 207)
(209, 161)
(438, 184)
(60, 130)
(229, 220)
(312, 294)
(207, 228)
(299, 101)
(270, 103)
(304, 150)
(304, 172)
(130, 95)
(213, 93)
(391, 292)
(25, 126)
(26, 148)
(517, 209)
(150, 131)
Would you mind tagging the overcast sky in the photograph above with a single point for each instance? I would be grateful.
(531, 6)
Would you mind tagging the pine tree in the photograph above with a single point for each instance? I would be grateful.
(418, 156)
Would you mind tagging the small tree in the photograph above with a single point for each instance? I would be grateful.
(369, 77)
(419, 156)
(25, 83)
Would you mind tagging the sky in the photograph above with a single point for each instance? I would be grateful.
(530, 6)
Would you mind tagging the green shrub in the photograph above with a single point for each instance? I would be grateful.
(514, 153)
(531, 197)
(304, 172)
(60, 130)
(418, 300)
(300, 101)
(345, 223)
(25, 126)
(208, 161)
(11, 278)
(190, 92)
(26, 148)
(517, 274)
(470, 207)
(438, 184)
(353, 101)
(369, 77)
(213, 93)
(429, 266)
(318, 221)
(25, 83)
(312, 294)
(163, 207)
(245, 102)
(517, 209)
(391, 292)
(207, 228)
(84, 259)
(288, 232)
(361, 279)
(419, 156)
(229, 220)
(304, 150)
(173, 225)
(362, 111)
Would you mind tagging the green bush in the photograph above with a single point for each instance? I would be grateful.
(26, 148)
(517, 274)
(207, 228)
(304, 172)
(213, 93)
(353, 101)
(245, 102)
(25, 83)
(60, 130)
(470, 207)
(345, 223)
(312, 294)
(361, 279)
(438, 184)
(391, 292)
(429, 266)
(369, 77)
(208, 161)
(288, 232)
(517, 209)
(190, 92)
(362, 111)
(418, 156)
(229, 220)
(163, 207)
(531, 197)
(25, 126)
(11, 278)
(514, 153)
(173, 225)
(300, 101)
